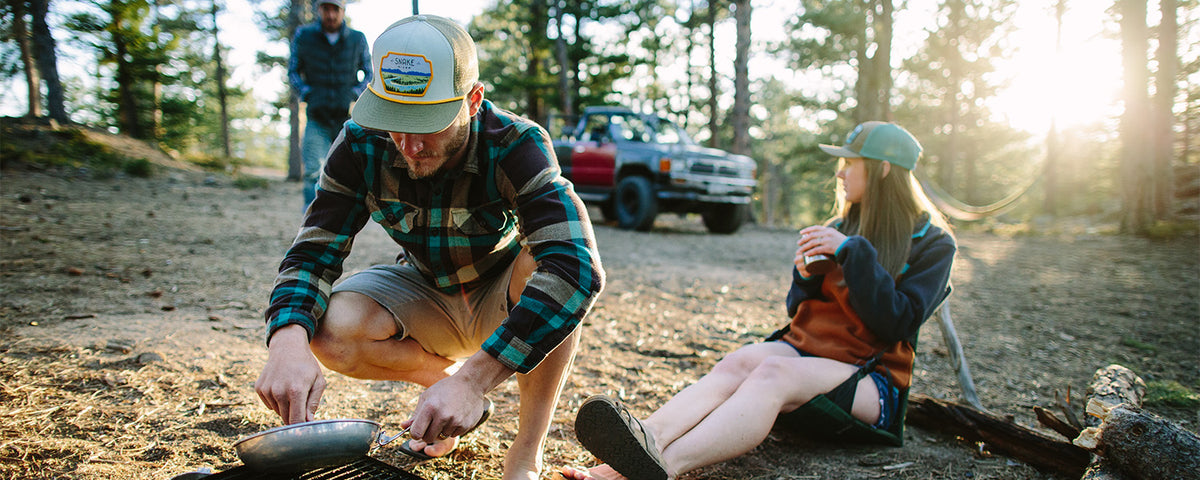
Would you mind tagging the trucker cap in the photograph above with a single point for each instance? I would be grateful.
(881, 141)
(424, 65)
(340, 3)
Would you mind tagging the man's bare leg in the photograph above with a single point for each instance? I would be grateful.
(540, 390)
(355, 338)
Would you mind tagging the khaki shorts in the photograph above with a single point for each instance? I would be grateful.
(448, 325)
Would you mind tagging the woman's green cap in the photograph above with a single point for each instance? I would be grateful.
(881, 141)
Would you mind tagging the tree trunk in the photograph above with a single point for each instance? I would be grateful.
(953, 155)
(294, 161)
(535, 109)
(713, 115)
(222, 96)
(1136, 158)
(33, 83)
(1164, 120)
(1050, 168)
(1141, 444)
(127, 107)
(741, 82)
(564, 71)
(862, 85)
(883, 61)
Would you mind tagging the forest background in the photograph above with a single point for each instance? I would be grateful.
(155, 70)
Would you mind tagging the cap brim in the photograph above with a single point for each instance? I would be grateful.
(375, 113)
(837, 151)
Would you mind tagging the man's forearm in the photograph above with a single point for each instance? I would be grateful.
(483, 371)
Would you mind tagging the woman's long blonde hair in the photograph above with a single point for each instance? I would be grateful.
(888, 212)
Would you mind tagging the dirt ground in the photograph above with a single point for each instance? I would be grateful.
(131, 331)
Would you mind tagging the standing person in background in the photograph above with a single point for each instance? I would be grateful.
(842, 367)
(325, 60)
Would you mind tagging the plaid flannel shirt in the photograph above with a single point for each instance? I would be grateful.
(458, 229)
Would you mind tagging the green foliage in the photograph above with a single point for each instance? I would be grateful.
(66, 147)
(1138, 345)
(1170, 230)
(160, 73)
(1170, 393)
(138, 167)
(248, 182)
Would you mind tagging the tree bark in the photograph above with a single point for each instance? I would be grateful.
(1112, 385)
(1136, 156)
(33, 82)
(713, 115)
(294, 161)
(883, 60)
(222, 96)
(1164, 119)
(1000, 435)
(534, 108)
(1050, 169)
(1141, 444)
(741, 80)
(564, 70)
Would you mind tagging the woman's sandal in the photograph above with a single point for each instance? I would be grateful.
(422, 456)
(619, 439)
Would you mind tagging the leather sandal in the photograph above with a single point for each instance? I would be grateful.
(422, 456)
(616, 437)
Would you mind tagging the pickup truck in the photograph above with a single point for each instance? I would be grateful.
(635, 166)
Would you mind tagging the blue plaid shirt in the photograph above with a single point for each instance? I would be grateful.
(459, 229)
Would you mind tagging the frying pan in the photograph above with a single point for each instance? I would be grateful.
(309, 445)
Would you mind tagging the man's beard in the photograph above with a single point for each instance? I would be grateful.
(418, 171)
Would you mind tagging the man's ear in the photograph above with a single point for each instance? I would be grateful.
(475, 99)
(887, 168)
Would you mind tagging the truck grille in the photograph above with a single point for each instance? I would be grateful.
(365, 468)
(704, 168)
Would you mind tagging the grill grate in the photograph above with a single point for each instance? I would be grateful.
(365, 468)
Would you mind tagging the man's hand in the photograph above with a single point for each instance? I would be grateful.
(291, 383)
(452, 406)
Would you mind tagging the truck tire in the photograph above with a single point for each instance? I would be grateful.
(725, 218)
(608, 210)
(636, 205)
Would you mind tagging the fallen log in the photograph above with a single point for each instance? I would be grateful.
(1000, 434)
(1141, 444)
(1112, 385)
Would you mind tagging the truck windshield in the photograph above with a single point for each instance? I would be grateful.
(630, 127)
(669, 133)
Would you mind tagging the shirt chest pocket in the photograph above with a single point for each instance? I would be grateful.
(483, 220)
(400, 216)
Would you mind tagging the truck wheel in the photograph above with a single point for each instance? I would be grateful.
(726, 217)
(608, 210)
(635, 204)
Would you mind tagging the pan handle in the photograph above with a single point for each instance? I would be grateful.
(383, 439)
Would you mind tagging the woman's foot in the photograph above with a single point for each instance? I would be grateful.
(620, 440)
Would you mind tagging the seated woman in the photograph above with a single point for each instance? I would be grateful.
(850, 339)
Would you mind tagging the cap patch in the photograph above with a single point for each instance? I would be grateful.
(405, 74)
(854, 134)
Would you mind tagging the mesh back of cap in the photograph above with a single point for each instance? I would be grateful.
(466, 65)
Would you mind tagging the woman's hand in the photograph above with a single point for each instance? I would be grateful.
(816, 240)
